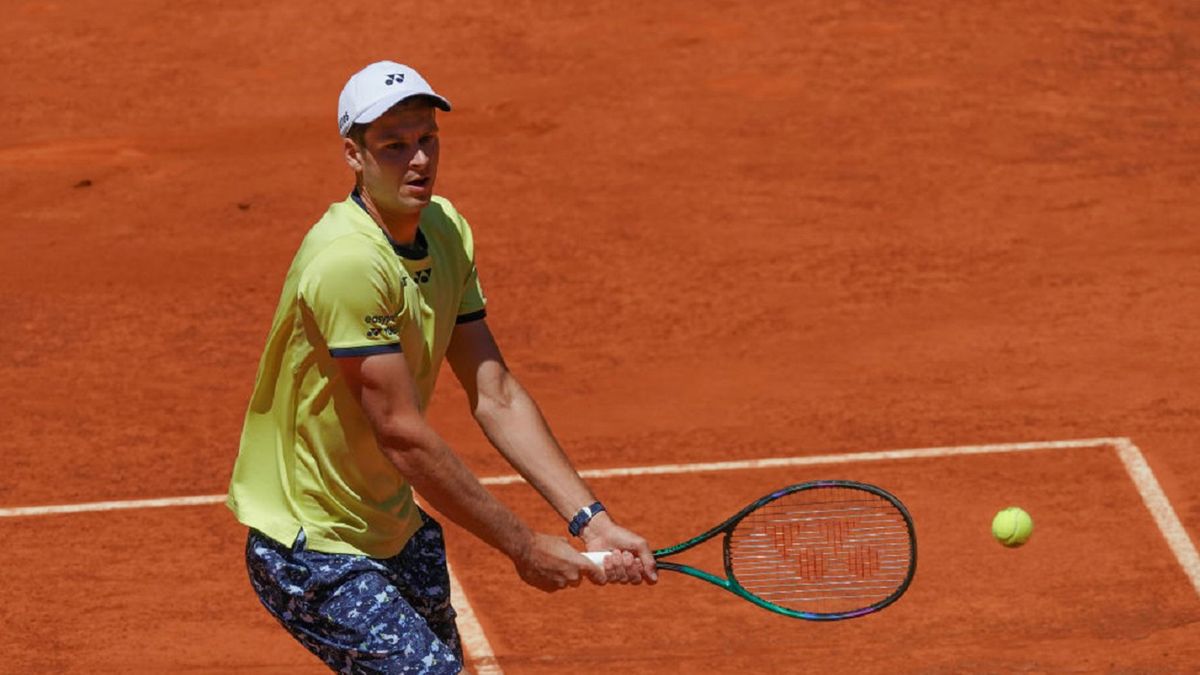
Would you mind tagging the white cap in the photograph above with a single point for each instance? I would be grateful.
(373, 90)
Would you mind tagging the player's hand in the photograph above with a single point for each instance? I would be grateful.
(551, 564)
(630, 560)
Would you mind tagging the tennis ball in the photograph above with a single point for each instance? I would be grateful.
(1012, 526)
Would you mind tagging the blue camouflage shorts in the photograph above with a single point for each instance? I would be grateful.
(360, 614)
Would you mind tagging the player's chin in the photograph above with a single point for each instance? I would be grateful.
(417, 193)
(408, 204)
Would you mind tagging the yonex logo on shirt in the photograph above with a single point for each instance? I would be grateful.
(423, 275)
(394, 77)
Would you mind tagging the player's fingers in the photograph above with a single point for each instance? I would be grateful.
(543, 582)
(631, 571)
(626, 559)
(635, 571)
(615, 568)
(649, 569)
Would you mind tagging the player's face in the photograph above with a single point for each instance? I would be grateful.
(400, 159)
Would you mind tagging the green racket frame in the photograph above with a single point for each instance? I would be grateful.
(730, 582)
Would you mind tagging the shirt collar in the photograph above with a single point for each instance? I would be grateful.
(418, 250)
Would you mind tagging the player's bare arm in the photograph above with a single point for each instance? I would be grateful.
(384, 387)
(515, 425)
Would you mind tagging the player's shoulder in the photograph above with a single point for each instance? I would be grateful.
(444, 205)
(338, 241)
(441, 220)
(441, 214)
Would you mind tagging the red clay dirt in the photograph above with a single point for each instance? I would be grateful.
(707, 232)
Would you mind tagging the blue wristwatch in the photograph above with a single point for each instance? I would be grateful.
(583, 517)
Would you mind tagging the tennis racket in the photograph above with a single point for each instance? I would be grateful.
(821, 551)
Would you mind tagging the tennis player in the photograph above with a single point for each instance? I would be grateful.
(382, 289)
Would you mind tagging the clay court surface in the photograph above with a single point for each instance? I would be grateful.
(708, 232)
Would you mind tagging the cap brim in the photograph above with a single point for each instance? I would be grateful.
(376, 110)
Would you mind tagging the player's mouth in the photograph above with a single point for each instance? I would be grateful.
(421, 183)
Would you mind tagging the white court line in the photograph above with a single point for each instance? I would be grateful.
(112, 506)
(474, 640)
(772, 462)
(476, 644)
(810, 460)
(1160, 507)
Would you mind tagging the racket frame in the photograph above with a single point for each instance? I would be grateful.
(730, 582)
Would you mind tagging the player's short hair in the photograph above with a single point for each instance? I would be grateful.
(358, 134)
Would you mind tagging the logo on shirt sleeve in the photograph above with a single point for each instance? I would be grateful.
(382, 326)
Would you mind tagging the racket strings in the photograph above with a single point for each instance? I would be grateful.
(826, 551)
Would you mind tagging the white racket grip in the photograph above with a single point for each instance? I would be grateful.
(597, 557)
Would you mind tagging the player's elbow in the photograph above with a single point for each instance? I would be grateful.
(487, 409)
(497, 400)
(402, 436)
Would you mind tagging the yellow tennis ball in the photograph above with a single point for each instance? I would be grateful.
(1012, 526)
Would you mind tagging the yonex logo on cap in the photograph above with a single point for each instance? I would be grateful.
(373, 90)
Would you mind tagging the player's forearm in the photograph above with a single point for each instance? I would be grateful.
(443, 481)
(515, 426)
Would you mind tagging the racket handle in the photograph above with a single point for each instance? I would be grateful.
(597, 557)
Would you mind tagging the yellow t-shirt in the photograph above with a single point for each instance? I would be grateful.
(308, 456)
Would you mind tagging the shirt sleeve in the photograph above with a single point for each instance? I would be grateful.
(473, 305)
(347, 292)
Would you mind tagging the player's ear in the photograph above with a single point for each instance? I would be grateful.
(353, 154)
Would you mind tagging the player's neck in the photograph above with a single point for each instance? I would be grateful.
(401, 227)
